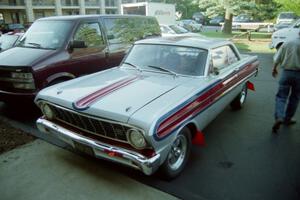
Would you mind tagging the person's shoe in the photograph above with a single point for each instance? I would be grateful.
(290, 122)
(276, 126)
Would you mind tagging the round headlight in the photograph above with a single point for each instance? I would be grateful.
(136, 139)
(47, 111)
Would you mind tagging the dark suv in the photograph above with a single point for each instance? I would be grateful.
(57, 49)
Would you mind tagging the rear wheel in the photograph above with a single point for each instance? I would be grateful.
(240, 99)
(178, 155)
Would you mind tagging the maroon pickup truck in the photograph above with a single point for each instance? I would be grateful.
(57, 49)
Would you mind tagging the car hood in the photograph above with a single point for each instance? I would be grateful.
(113, 94)
(26, 56)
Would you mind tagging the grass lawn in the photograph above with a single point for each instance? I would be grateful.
(259, 41)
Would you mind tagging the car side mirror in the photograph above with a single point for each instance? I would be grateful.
(77, 44)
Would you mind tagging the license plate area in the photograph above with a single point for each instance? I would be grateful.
(84, 148)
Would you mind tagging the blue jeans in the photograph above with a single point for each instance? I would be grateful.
(288, 95)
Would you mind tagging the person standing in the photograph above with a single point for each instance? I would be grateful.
(288, 94)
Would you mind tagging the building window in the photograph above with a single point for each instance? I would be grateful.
(111, 11)
(69, 2)
(111, 3)
(39, 14)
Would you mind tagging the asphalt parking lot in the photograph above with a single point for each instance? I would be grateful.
(241, 158)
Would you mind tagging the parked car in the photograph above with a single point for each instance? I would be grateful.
(286, 17)
(146, 112)
(242, 18)
(282, 25)
(199, 17)
(62, 48)
(8, 40)
(5, 28)
(191, 25)
(282, 35)
(216, 20)
(175, 30)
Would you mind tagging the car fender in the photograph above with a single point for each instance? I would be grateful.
(60, 75)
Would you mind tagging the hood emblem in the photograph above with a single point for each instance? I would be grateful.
(59, 92)
(128, 109)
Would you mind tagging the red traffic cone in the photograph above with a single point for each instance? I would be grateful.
(199, 139)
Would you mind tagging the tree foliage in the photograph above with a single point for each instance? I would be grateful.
(290, 5)
(259, 9)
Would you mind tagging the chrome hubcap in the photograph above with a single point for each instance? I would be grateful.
(178, 152)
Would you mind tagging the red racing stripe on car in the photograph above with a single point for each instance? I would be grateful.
(91, 98)
(187, 111)
(203, 101)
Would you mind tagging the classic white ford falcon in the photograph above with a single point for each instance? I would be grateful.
(146, 112)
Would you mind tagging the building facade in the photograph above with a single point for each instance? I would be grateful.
(26, 11)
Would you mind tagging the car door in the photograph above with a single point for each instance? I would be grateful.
(92, 57)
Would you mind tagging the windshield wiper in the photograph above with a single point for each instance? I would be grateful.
(162, 69)
(136, 67)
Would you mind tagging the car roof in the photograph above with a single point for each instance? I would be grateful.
(188, 41)
(78, 17)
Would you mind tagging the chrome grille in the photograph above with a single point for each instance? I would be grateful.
(90, 124)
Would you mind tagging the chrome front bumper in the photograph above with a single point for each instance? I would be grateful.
(101, 150)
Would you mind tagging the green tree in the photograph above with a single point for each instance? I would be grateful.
(290, 5)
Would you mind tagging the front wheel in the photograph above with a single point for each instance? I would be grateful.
(240, 99)
(178, 155)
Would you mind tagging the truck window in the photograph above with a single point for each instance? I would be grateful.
(128, 30)
(46, 34)
(90, 33)
(119, 30)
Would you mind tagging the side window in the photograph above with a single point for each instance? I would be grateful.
(151, 28)
(118, 31)
(127, 30)
(90, 33)
(219, 58)
(232, 58)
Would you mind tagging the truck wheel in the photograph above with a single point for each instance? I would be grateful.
(178, 155)
(240, 99)
(278, 46)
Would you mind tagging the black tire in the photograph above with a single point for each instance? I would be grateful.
(278, 46)
(182, 146)
(240, 99)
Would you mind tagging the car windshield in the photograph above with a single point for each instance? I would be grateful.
(7, 41)
(178, 29)
(177, 59)
(46, 34)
